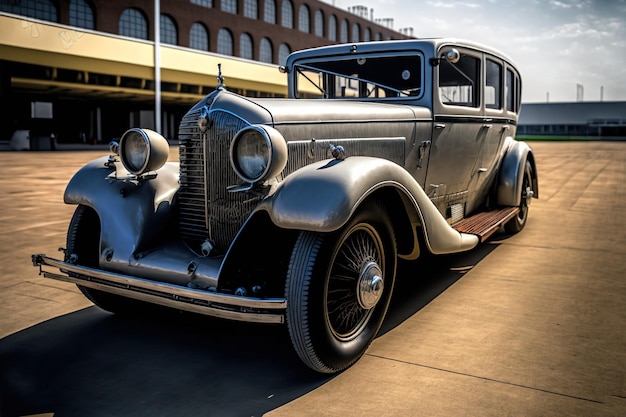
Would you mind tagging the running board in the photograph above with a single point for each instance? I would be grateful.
(486, 223)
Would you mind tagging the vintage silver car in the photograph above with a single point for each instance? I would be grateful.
(298, 210)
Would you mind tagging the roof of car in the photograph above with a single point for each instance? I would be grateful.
(391, 45)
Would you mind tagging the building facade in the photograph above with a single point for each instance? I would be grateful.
(604, 120)
(86, 69)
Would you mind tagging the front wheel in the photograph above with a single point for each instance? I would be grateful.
(338, 289)
(516, 224)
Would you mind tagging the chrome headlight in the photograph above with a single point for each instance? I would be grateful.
(258, 153)
(143, 150)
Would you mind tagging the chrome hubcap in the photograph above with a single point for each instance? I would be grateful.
(371, 286)
(529, 195)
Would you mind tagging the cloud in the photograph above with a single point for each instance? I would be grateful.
(450, 5)
(556, 43)
(559, 4)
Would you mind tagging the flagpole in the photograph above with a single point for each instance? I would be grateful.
(157, 66)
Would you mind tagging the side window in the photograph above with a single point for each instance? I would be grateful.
(493, 85)
(518, 93)
(459, 83)
(512, 91)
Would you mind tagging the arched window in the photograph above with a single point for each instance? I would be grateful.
(251, 9)
(303, 19)
(169, 33)
(199, 37)
(356, 33)
(367, 35)
(245, 46)
(286, 17)
(269, 13)
(343, 33)
(265, 51)
(379, 36)
(203, 3)
(319, 23)
(39, 9)
(133, 24)
(332, 28)
(283, 52)
(229, 6)
(224, 42)
(81, 14)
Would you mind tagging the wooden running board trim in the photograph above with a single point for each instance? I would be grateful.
(486, 223)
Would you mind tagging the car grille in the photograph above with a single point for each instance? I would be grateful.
(206, 209)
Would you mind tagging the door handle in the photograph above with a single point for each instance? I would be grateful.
(421, 151)
(440, 125)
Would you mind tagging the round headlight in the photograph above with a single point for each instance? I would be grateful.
(257, 153)
(143, 150)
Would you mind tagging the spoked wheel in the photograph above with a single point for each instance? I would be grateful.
(516, 224)
(338, 289)
(83, 248)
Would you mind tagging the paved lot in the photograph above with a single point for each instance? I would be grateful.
(529, 325)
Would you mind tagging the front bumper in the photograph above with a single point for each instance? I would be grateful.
(248, 309)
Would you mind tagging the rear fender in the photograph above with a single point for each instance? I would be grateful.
(133, 215)
(322, 197)
(509, 188)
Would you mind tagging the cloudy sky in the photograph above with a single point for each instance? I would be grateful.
(556, 44)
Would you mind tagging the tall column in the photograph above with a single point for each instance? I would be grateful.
(157, 66)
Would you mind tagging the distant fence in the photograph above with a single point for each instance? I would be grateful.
(570, 138)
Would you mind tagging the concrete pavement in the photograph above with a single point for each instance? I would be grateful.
(536, 328)
(528, 325)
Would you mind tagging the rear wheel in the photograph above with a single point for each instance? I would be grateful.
(83, 248)
(516, 224)
(338, 289)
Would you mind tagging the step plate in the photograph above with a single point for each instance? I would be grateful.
(486, 223)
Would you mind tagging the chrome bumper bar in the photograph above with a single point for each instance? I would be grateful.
(255, 310)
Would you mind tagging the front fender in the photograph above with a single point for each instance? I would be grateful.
(323, 196)
(133, 215)
(509, 189)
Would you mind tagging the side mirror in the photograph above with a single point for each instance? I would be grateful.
(452, 56)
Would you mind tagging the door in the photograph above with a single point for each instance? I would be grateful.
(496, 127)
(458, 133)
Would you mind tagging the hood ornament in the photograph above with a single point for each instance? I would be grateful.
(220, 79)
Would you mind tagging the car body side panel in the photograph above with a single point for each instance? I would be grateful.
(322, 197)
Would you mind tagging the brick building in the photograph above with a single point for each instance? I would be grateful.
(86, 69)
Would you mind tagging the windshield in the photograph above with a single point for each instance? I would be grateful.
(362, 77)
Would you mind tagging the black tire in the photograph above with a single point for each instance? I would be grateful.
(331, 317)
(83, 248)
(516, 224)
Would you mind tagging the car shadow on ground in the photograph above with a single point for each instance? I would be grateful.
(419, 282)
(92, 363)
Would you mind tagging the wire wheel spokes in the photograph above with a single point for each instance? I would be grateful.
(353, 259)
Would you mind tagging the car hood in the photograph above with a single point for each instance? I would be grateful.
(278, 111)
